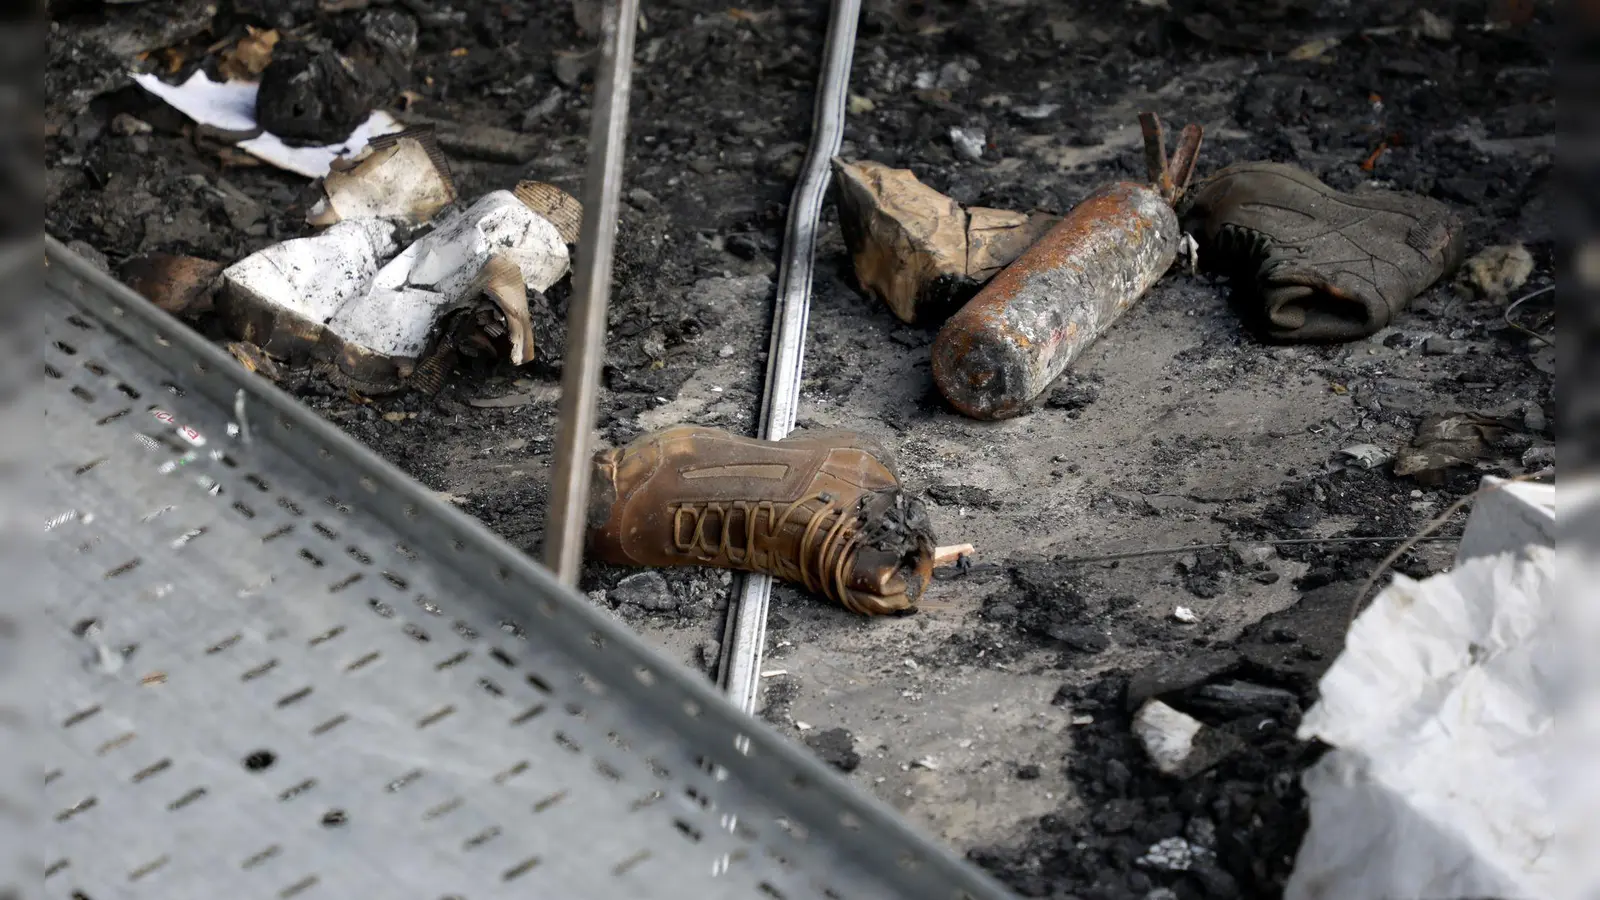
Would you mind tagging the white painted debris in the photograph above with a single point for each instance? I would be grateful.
(399, 176)
(1168, 735)
(968, 142)
(337, 284)
(311, 278)
(438, 272)
(231, 106)
(1450, 774)
(1185, 615)
(1042, 111)
(1189, 252)
(1173, 854)
(1368, 456)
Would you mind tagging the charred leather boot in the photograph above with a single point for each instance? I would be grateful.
(1325, 265)
(824, 510)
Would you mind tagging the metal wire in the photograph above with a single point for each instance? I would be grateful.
(1524, 329)
(1223, 545)
(966, 568)
(745, 634)
(586, 329)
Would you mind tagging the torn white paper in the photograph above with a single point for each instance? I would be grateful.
(227, 105)
(1446, 772)
(314, 162)
(231, 106)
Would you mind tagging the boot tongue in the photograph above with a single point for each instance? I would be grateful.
(876, 572)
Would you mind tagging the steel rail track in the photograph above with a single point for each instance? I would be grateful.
(744, 636)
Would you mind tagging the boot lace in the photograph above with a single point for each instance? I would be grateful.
(825, 555)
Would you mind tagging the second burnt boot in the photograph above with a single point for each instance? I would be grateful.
(1323, 265)
(824, 510)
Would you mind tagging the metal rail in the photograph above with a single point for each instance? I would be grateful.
(586, 331)
(744, 636)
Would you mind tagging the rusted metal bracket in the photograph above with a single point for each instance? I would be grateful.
(1169, 175)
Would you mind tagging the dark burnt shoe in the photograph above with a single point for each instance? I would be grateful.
(1323, 265)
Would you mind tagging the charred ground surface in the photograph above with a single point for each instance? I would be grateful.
(998, 718)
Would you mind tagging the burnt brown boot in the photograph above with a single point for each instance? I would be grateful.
(1324, 265)
(824, 510)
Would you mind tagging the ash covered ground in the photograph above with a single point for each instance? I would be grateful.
(998, 717)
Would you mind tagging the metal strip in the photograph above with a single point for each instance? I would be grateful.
(586, 341)
(745, 635)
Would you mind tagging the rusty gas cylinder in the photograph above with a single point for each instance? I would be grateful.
(1006, 346)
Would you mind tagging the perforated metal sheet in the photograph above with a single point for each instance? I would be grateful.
(278, 668)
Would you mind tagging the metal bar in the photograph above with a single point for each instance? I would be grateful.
(1155, 152)
(1184, 159)
(745, 635)
(586, 322)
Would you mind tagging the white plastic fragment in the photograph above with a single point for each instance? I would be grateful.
(1457, 712)
(1167, 735)
(1185, 615)
(1368, 456)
